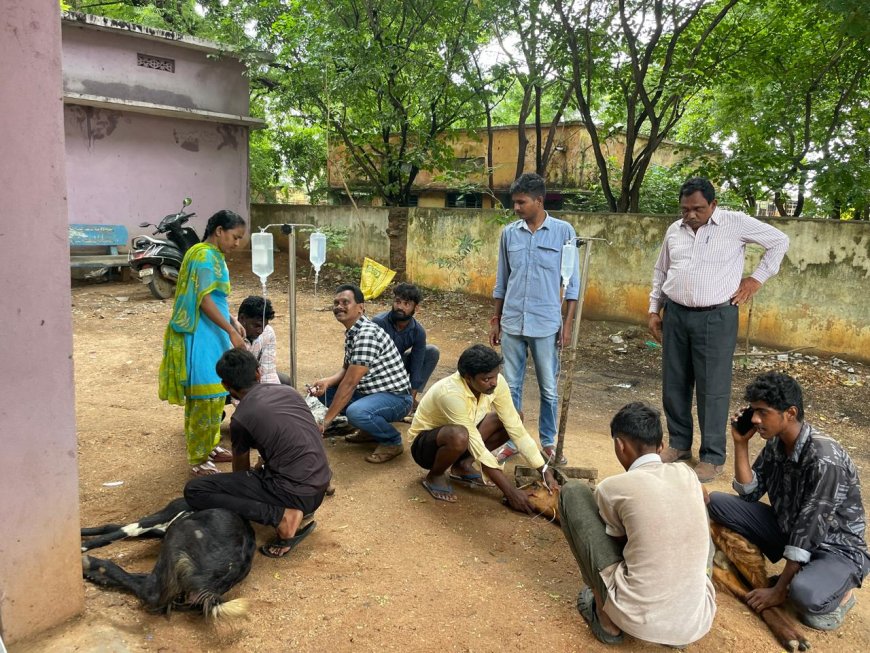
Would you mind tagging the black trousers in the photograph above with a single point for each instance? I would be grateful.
(698, 352)
(249, 494)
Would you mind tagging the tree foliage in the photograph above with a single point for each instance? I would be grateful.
(772, 96)
(792, 119)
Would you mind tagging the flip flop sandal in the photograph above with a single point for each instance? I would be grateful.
(205, 469)
(586, 607)
(431, 488)
(220, 455)
(471, 480)
(288, 543)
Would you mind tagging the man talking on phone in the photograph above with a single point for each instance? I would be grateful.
(815, 519)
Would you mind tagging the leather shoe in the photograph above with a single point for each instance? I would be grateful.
(707, 471)
(671, 455)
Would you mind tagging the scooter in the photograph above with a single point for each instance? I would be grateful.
(157, 261)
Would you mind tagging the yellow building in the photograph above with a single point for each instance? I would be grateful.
(572, 170)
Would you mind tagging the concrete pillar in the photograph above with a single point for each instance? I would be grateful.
(40, 569)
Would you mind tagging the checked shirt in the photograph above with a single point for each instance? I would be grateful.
(815, 494)
(367, 344)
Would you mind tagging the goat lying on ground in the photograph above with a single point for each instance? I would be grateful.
(736, 559)
(204, 554)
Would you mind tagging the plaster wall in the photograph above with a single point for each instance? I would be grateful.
(818, 299)
(126, 168)
(105, 64)
(40, 559)
(365, 229)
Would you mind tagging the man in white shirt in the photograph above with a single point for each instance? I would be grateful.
(642, 541)
(698, 281)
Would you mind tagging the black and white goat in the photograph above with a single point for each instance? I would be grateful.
(204, 554)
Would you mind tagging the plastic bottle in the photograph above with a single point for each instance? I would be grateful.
(317, 250)
(262, 255)
(569, 262)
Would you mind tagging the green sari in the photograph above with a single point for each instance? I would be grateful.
(192, 345)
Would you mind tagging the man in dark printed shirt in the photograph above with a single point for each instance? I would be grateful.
(815, 519)
(372, 387)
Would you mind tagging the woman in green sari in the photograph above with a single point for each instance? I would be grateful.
(199, 332)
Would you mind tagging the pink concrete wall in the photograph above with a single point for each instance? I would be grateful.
(125, 168)
(104, 63)
(40, 568)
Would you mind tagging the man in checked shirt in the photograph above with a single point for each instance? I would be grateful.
(372, 386)
(698, 281)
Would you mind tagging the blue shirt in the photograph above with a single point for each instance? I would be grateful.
(529, 278)
(412, 337)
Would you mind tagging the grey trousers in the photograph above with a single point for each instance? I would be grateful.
(698, 351)
(820, 585)
(592, 547)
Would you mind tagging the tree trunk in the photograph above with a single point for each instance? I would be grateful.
(490, 181)
(522, 139)
(778, 202)
(397, 231)
(539, 163)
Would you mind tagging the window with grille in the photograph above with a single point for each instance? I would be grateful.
(155, 63)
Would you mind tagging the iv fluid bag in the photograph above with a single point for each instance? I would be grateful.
(317, 250)
(262, 256)
(569, 261)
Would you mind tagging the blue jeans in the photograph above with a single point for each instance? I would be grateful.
(373, 413)
(430, 360)
(515, 350)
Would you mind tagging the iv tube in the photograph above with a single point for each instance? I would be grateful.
(317, 254)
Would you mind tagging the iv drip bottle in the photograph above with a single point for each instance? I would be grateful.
(317, 250)
(262, 255)
(569, 261)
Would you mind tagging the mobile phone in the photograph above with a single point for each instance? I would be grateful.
(743, 423)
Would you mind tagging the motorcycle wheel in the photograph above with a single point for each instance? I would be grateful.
(161, 287)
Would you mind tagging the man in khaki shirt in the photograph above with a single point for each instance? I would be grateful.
(642, 541)
(462, 420)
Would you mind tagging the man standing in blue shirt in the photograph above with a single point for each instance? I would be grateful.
(409, 336)
(528, 307)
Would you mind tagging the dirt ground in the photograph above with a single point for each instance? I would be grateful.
(388, 568)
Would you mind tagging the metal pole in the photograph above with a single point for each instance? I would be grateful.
(575, 336)
(291, 302)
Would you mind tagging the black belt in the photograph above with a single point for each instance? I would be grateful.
(698, 309)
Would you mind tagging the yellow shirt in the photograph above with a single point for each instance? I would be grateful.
(451, 401)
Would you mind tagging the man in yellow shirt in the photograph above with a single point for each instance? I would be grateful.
(462, 420)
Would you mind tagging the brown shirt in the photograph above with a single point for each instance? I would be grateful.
(275, 420)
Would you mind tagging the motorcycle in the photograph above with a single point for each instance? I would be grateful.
(157, 261)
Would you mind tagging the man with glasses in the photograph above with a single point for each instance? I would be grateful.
(698, 281)
(372, 387)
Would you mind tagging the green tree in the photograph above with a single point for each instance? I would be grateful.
(791, 117)
(533, 43)
(386, 78)
(635, 66)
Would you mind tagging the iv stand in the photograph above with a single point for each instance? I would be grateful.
(568, 386)
(290, 229)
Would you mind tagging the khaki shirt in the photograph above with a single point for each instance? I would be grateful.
(451, 401)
